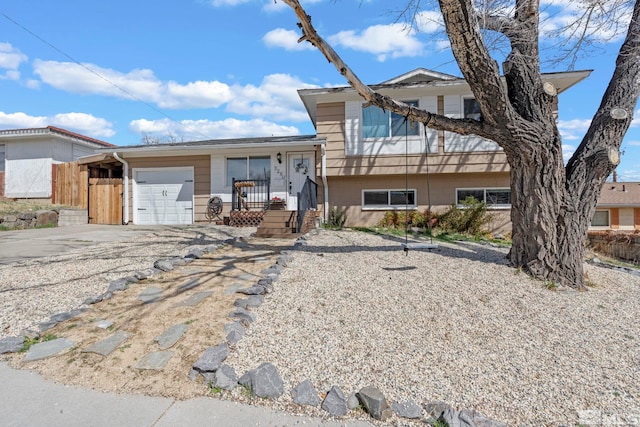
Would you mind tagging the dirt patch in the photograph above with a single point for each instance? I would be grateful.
(218, 273)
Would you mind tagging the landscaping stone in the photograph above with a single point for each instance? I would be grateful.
(150, 294)
(264, 381)
(305, 394)
(243, 316)
(353, 402)
(103, 324)
(335, 402)
(117, 285)
(47, 349)
(46, 325)
(468, 418)
(61, 317)
(93, 300)
(171, 336)
(163, 265)
(435, 409)
(145, 274)
(11, 344)
(253, 290)
(195, 253)
(232, 289)
(154, 361)
(235, 326)
(46, 218)
(247, 276)
(407, 409)
(250, 301)
(374, 402)
(233, 337)
(225, 378)
(195, 299)
(107, 345)
(189, 284)
(177, 261)
(212, 358)
(284, 260)
(131, 279)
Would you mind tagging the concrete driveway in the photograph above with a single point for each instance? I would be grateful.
(19, 245)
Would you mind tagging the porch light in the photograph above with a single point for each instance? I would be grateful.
(279, 157)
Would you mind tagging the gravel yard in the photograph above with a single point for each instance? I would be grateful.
(455, 324)
(31, 291)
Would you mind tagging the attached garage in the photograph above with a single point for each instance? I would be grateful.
(163, 196)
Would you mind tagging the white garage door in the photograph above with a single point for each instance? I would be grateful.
(164, 196)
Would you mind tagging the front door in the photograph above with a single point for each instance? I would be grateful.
(300, 166)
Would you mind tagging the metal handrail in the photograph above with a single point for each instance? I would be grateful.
(248, 194)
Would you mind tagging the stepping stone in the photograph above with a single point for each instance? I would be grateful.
(232, 289)
(155, 361)
(103, 324)
(195, 299)
(107, 345)
(189, 284)
(171, 336)
(150, 294)
(247, 276)
(47, 349)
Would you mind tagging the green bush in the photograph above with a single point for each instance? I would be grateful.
(472, 218)
(336, 219)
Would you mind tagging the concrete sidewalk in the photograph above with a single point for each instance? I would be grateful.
(30, 401)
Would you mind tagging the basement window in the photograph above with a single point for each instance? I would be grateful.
(388, 199)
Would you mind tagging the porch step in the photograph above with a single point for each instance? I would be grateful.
(67, 217)
(278, 224)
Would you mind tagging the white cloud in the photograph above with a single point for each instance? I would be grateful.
(567, 151)
(276, 97)
(394, 40)
(137, 84)
(287, 39)
(633, 143)
(191, 130)
(430, 21)
(83, 123)
(572, 130)
(10, 60)
(636, 119)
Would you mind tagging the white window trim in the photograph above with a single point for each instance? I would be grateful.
(602, 227)
(389, 207)
(390, 138)
(497, 207)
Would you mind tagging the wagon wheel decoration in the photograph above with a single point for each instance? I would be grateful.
(214, 208)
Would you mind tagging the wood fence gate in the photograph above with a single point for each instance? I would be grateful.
(105, 201)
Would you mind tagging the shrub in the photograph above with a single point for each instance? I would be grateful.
(472, 218)
(336, 219)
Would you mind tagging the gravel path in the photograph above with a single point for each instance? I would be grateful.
(457, 325)
(33, 290)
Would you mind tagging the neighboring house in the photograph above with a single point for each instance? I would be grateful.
(618, 207)
(364, 160)
(27, 157)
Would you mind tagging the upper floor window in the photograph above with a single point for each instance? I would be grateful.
(379, 123)
(495, 197)
(253, 167)
(471, 109)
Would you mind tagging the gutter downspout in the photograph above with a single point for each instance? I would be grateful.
(324, 182)
(125, 195)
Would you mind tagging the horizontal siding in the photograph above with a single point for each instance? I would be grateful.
(345, 193)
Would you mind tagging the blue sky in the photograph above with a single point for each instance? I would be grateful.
(196, 69)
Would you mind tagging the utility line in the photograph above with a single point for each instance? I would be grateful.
(72, 59)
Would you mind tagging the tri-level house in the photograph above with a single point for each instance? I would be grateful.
(362, 161)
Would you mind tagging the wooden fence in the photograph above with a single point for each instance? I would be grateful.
(105, 201)
(102, 197)
(70, 185)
